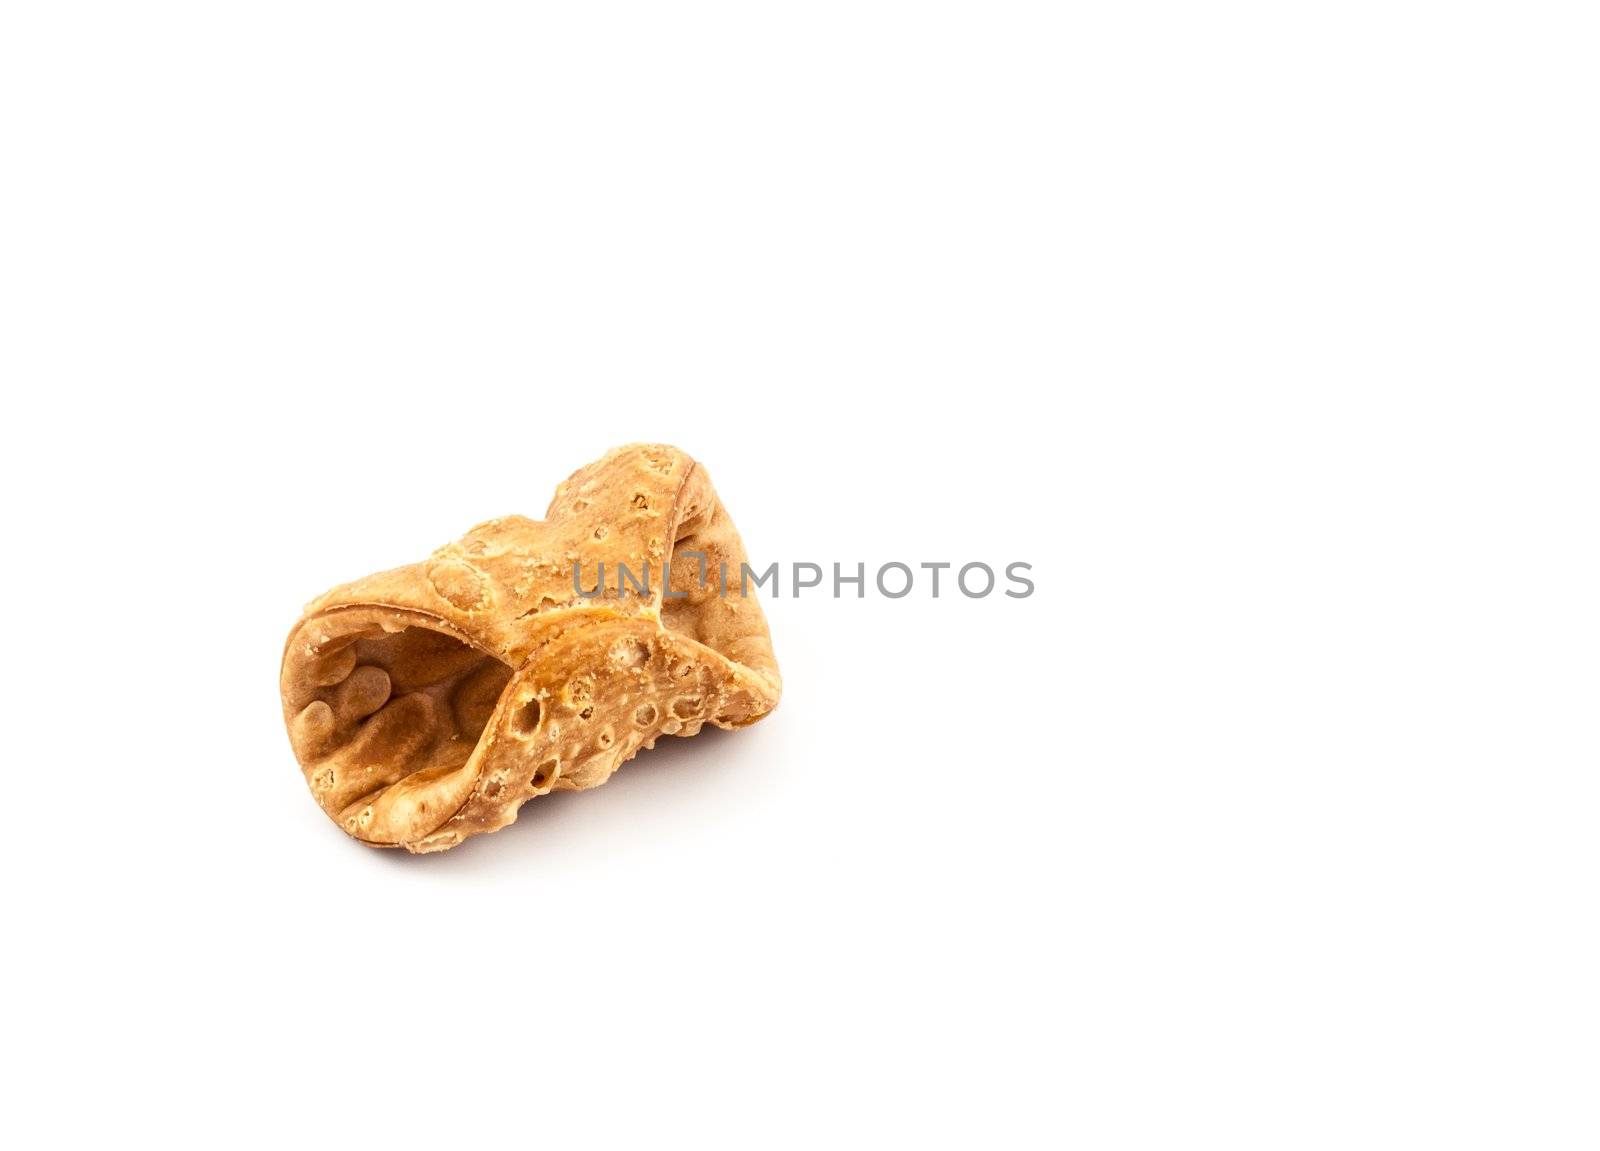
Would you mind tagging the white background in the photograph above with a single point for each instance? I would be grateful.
(1266, 333)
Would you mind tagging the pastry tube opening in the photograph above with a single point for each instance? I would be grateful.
(385, 709)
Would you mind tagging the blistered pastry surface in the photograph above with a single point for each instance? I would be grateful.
(428, 703)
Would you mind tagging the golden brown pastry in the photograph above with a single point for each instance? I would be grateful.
(428, 703)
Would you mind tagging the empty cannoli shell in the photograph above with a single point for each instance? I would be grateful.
(428, 703)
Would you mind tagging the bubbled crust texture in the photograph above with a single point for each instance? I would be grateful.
(428, 703)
